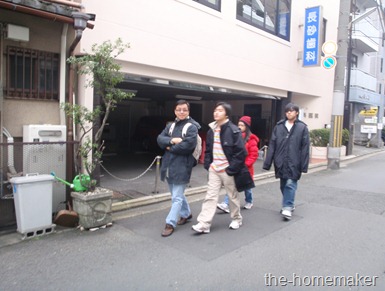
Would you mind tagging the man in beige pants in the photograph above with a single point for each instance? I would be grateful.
(224, 157)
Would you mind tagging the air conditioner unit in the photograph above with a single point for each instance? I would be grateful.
(46, 158)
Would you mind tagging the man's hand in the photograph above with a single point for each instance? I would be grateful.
(176, 140)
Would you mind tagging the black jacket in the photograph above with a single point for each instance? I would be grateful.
(232, 145)
(289, 151)
(178, 161)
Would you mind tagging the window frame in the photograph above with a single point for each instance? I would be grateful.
(32, 74)
(210, 5)
(277, 23)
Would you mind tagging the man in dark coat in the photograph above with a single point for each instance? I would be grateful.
(289, 149)
(177, 163)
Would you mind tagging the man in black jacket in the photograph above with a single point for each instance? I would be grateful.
(289, 149)
(224, 158)
(177, 163)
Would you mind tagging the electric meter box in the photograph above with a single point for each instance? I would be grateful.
(46, 158)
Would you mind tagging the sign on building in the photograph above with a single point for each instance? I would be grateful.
(312, 29)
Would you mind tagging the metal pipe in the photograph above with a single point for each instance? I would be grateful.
(157, 174)
(11, 165)
(70, 135)
(63, 66)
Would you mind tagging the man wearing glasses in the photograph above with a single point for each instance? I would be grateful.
(177, 163)
(289, 149)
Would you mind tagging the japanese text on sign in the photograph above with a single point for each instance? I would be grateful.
(311, 51)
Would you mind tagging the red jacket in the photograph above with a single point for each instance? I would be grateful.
(252, 152)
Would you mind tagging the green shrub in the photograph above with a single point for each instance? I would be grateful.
(320, 137)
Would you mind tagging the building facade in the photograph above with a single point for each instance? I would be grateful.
(246, 52)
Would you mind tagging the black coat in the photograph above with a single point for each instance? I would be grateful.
(232, 145)
(178, 161)
(288, 150)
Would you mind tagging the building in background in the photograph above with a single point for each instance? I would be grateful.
(365, 77)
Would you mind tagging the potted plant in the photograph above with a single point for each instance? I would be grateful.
(319, 140)
(92, 203)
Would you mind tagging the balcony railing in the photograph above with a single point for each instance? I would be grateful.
(366, 37)
(361, 79)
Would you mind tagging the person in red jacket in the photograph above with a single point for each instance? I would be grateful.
(251, 144)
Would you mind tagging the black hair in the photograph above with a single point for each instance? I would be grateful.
(247, 131)
(182, 102)
(226, 106)
(291, 107)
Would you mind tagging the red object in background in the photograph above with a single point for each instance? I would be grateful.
(203, 133)
(202, 157)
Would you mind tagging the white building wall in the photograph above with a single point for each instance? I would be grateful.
(186, 41)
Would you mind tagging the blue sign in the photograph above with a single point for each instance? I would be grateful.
(312, 27)
(329, 62)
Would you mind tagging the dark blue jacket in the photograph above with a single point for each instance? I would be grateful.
(232, 145)
(178, 161)
(289, 151)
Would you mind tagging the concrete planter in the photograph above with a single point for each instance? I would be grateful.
(322, 152)
(94, 209)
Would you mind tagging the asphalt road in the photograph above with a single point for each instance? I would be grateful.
(336, 239)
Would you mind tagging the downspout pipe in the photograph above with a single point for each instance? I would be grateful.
(80, 23)
(63, 56)
(11, 165)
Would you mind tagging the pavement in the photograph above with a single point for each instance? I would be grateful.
(137, 189)
(335, 240)
(134, 178)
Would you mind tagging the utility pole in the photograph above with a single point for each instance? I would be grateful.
(335, 140)
(348, 106)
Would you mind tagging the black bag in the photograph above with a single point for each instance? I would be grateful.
(243, 180)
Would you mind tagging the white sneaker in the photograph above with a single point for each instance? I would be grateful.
(286, 214)
(199, 228)
(224, 207)
(248, 205)
(235, 224)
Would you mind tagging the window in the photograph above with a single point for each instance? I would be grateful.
(215, 4)
(272, 16)
(32, 74)
(354, 61)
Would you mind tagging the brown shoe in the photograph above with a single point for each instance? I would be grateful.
(184, 220)
(168, 230)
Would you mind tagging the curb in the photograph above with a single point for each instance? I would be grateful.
(153, 199)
